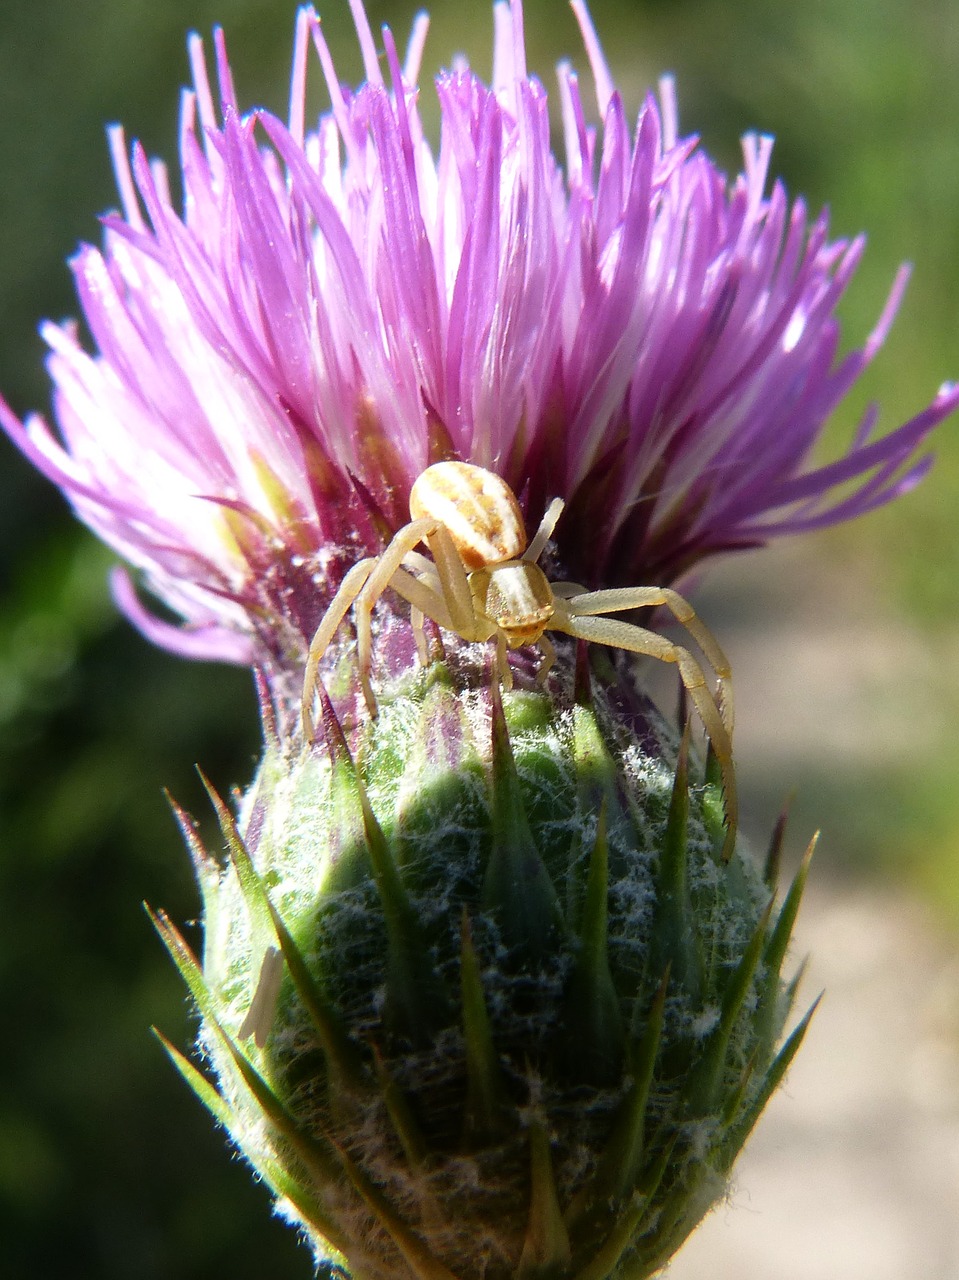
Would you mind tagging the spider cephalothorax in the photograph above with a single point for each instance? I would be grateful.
(483, 583)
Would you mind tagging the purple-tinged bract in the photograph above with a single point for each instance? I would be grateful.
(335, 309)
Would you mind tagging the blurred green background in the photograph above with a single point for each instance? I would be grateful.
(108, 1167)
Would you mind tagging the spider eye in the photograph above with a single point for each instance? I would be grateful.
(477, 507)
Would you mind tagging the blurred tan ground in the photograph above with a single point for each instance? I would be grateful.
(853, 1173)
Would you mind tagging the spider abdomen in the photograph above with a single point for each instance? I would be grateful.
(478, 508)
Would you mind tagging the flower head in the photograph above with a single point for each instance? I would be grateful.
(335, 309)
(488, 988)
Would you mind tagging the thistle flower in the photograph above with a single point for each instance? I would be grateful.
(487, 990)
(336, 309)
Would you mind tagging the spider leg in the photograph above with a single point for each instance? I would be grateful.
(368, 578)
(339, 606)
(624, 635)
(417, 561)
(504, 670)
(618, 599)
(387, 568)
(417, 621)
(423, 597)
(543, 533)
(567, 590)
(445, 580)
(425, 577)
(453, 580)
(430, 596)
(428, 599)
(549, 659)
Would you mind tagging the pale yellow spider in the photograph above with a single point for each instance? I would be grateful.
(483, 582)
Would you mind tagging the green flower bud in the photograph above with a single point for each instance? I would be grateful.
(480, 998)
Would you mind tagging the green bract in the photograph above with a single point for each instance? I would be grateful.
(480, 999)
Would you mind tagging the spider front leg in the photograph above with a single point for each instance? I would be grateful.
(339, 606)
(362, 587)
(425, 601)
(424, 573)
(624, 635)
(545, 531)
(455, 610)
(620, 599)
(442, 593)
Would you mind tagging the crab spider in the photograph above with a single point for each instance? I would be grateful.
(484, 583)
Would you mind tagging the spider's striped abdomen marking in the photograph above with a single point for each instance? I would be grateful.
(478, 508)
